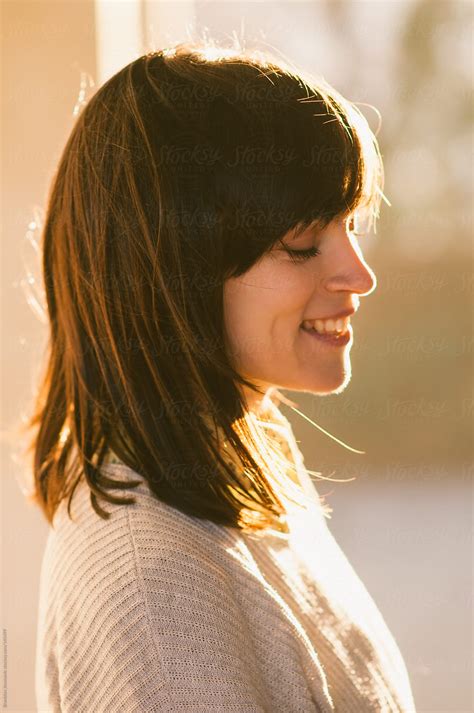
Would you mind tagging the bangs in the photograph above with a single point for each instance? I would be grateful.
(346, 165)
(337, 167)
(293, 153)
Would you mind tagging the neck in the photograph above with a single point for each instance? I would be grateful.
(258, 404)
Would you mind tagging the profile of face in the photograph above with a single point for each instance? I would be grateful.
(264, 310)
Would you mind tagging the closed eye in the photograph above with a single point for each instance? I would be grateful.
(298, 255)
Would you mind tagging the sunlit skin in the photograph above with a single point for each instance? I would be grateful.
(264, 308)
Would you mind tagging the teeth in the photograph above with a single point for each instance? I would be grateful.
(327, 326)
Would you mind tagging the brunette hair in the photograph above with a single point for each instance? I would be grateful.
(181, 171)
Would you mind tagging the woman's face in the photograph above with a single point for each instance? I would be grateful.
(265, 307)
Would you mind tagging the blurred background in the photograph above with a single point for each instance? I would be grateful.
(404, 516)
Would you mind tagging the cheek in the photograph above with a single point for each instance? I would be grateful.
(242, 319)
(285, 303)
(264, 305)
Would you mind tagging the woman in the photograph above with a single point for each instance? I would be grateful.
(200, 230)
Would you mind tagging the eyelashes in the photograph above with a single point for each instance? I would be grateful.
(301, 255)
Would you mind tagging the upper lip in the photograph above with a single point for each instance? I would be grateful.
(338, 315)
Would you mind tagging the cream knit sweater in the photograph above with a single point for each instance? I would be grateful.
(154, 610)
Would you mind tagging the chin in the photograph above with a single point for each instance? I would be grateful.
(339, 388)
(334, 384)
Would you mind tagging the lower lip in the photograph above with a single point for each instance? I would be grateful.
(336, 341)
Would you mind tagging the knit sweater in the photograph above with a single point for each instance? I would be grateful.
(156, 610)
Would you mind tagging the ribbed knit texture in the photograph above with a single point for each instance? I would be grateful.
(155, 610)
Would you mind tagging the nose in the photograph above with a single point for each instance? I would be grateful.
(349, 269)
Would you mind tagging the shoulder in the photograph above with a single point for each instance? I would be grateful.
(147, 602)
(144, 531)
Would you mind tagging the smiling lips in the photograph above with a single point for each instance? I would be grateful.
(327, 326)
